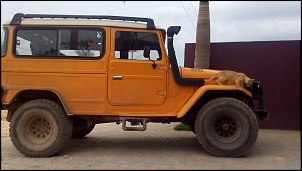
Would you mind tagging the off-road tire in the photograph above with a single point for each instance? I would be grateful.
(226, 127)
(40, 128)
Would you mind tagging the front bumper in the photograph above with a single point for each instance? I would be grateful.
(259, 109)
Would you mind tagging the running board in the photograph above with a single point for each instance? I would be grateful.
(134, 122)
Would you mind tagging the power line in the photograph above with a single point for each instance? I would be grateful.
(19, 6)
(197, 19)
(213, 34)
(194, 9)
(8, 8)
(188, 14)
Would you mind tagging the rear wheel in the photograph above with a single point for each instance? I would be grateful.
(226, 127)
(40, 128)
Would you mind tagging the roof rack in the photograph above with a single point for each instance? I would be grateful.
(18, 17)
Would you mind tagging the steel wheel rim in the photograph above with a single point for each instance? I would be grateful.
(226, 129)
(38, 130)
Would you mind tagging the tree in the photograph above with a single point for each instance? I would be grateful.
(202, 46)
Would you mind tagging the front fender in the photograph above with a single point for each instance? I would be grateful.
(204, 89)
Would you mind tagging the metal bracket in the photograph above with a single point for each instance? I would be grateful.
(143, 128)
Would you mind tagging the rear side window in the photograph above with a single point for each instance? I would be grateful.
(59, 42)
(4, 33)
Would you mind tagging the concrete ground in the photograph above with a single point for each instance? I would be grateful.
(160, 147)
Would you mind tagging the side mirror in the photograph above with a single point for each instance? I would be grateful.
(147, 52)
(147, 55)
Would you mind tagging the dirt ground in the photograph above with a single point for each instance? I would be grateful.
(160, 147)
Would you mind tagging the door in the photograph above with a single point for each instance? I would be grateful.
(134, 79)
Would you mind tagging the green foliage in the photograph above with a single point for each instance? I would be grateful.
(182, 127)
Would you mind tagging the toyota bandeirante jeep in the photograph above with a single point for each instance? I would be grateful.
(62, 74)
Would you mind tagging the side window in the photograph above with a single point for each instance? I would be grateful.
(36, 42)
(4, 34)
(130, 45)
(81, 43)
(59, 42)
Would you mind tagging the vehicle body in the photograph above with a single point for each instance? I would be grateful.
(62, 74)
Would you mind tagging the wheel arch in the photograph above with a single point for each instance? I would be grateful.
(210, 92)
(27, 95)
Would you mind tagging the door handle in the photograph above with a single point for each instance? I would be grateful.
(117, 77)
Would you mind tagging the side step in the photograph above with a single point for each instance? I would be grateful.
(134, 122)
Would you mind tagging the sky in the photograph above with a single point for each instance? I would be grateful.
(230, 21)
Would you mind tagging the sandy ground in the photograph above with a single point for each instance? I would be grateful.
(160, 147)
(4, 124)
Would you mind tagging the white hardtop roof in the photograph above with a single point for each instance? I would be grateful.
(81, 22)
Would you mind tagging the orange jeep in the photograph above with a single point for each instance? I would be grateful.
(62, 74)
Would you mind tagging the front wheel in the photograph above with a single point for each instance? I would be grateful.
(226, 127)
(40, 128)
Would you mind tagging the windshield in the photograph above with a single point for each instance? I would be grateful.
(3, 41)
